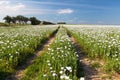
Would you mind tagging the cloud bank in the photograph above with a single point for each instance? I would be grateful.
(7, 8)
(65, 11)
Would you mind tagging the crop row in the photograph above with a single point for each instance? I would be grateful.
(16, 44)
(100, 42)
(58, 62)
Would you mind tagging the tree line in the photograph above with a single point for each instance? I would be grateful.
(19, 19)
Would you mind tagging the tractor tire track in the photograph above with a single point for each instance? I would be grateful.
(21, 69)
(89, 72)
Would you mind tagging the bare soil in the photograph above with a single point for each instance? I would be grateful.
(92, 73)
(21, 69)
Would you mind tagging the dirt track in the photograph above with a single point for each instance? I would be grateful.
(20, 69)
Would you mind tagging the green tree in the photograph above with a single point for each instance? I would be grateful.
(25, 19)
(13, 20)
(20, 19)
(61, 23)
(34, 21)
(7, 19)
(46, 23)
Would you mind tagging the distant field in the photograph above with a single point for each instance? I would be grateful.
(3, 24)
(60, 60)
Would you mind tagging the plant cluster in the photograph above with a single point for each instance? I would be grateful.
(58, 62)
(16, 44)
(100, 42)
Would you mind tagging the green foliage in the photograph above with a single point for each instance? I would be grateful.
(7, 19)
(34, 21)
(4, 24)
(100, 42)
(57, 63)
(17, 44)
(80, 70)
(46, 23)
(20, 19)
(61, 23)
(95, 65)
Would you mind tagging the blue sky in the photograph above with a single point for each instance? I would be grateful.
(70, 11)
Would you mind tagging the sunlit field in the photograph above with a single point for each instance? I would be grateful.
(16, 44)
(99, 41)
(60, 60)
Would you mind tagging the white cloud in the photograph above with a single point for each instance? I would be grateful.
(82, 5)
(38, 11)
(16, 7)
(65, 11)
(8, 8)
(4, 2)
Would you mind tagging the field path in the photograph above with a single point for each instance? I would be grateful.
(20, 69)
(91, 73)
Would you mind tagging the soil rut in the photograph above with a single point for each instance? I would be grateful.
(91, 73)
(20, 69)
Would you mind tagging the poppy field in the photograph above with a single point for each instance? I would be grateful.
(60, 60)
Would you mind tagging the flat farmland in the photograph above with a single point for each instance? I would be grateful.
(60, 52)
